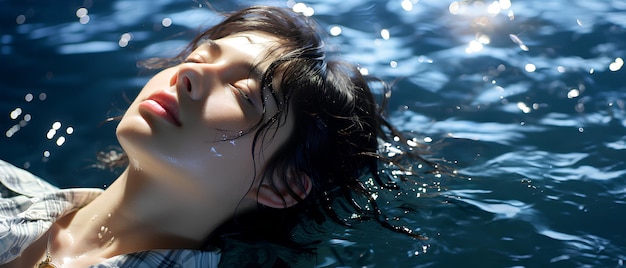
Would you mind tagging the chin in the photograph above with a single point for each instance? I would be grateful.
(133, 124)
(133, 133)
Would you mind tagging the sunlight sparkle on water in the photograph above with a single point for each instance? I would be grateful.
(530, 67)
(384, 33)
(407, 5)
(15, 113)
(411, 143)
(456, 8)
(573, 93)
(424, 59)
(483, 38)
(494, 8)
(335, 31)
(81, 13)
(20, 19)
(54, 130)
(616, 65)
(11, 131)
(474, 46)
(166, 22)
(84, 19)
(505, 4)
(304, 9)
(51, 134)
(522, 106)
(511, 15)
(364, 71)
(124, 39)
(60, 141)
(478, 43)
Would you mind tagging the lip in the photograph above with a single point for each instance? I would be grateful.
(163, 105)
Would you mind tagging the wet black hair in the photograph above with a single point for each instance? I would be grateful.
(339, 130)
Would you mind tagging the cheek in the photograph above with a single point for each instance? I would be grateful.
(224, 111)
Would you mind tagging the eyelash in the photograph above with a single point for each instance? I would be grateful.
(243, 94)
(190, 61)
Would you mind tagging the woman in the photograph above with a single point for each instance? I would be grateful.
(251, 129)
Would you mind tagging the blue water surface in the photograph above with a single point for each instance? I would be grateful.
(525, 99)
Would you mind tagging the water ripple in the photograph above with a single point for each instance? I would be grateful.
(533, 164)
(482, 131)
(584, 172)
(88, 47)
(503, 209)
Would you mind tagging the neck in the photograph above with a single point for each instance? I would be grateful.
(135, 214)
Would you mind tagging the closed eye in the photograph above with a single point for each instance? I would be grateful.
(191, 60)
(244, 95)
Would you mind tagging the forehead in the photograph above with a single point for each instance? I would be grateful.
(252, 38)
(260, 47)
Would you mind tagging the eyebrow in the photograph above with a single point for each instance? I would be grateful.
(254, 67)
(213, 46)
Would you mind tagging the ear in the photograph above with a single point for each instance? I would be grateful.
(278, 196)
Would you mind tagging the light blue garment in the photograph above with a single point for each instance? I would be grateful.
(29, 206)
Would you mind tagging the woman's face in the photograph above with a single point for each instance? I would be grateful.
(189, 123)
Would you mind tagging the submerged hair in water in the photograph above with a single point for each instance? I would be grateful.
(341, 139)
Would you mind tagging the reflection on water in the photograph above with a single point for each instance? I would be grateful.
(524, 98)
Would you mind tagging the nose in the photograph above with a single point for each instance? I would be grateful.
(194, 80)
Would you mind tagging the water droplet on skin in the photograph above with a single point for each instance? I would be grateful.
(136, 165)
(214, 151)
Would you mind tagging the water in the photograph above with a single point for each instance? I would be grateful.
(526, 101)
